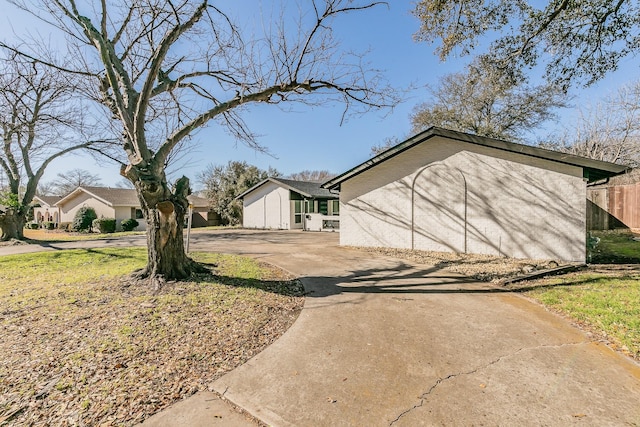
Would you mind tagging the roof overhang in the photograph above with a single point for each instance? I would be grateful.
(594, 170)
(275, 181)
(77, 191)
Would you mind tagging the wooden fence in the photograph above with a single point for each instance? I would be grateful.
(617, 206)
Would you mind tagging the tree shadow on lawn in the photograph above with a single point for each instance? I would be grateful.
(287, 287)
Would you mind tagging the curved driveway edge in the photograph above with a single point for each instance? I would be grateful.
(383, 342)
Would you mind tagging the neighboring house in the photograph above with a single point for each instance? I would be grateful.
(285, 204)
(442, 190)
(45, 210)
(118, 203)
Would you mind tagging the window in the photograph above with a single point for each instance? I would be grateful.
(309, 206)
(297, 209)
(323, 207)
(138, 214)
(335, 207)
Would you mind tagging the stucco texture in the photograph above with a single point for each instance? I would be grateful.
(453, 196)
(269, 207)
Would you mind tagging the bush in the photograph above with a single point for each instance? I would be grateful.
(66, 226)
(48, 225)
(84, 218)
(33, 225)
(129, 224)
(104, 225)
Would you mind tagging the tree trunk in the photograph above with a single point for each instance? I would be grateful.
(12, 224)
(164, 212)
(165, 244)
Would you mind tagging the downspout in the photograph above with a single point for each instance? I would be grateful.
(304, 213)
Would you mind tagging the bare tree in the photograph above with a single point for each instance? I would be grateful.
(384, 145)
(190, 62)
(125, 183)
(68, 181)
(489, 101)
(609, 130)
(37, 124)
(312, 175)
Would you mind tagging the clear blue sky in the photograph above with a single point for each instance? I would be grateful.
(312, 137)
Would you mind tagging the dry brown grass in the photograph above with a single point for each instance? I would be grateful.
(81, 345)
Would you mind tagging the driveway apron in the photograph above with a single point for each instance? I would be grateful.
(382, 342)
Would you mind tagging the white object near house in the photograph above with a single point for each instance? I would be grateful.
(118, 203)
(286, 204)
(449, 191)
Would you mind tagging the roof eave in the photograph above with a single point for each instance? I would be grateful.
(275, 181)
(595, 166)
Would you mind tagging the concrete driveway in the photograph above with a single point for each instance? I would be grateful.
(383, 342)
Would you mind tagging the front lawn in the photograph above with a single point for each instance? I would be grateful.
(83, 345)
(53, 236)
(603, 300)
(606, 298)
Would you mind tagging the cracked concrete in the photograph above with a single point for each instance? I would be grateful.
(425, 395)
(376, 330)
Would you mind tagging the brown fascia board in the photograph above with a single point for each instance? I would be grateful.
(598, 168)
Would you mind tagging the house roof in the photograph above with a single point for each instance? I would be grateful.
(119, 196)
(312, 190)
(47, 200)
(198, 201)
(594, 170)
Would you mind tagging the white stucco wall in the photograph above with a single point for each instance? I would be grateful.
(69, 209)
(267, 207)
(446, 195)
(124, 212)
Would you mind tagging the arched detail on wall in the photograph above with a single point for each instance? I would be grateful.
(265, 209)
(451, 171)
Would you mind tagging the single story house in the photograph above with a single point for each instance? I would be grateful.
(118, 203)
(45, 210)
(442, 190)
(285, 204)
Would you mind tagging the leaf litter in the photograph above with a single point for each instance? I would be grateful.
(113, 353)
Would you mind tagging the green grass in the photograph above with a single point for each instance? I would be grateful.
(35, 236)
(81, 340)
(615, 247)
(600, 302)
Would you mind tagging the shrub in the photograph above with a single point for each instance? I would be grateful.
(84, 218)
(66, 226)
(129, 224)
(33, 225)
(48, 225)
(104, 225)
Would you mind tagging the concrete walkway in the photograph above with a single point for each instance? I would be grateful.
(383, 342)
